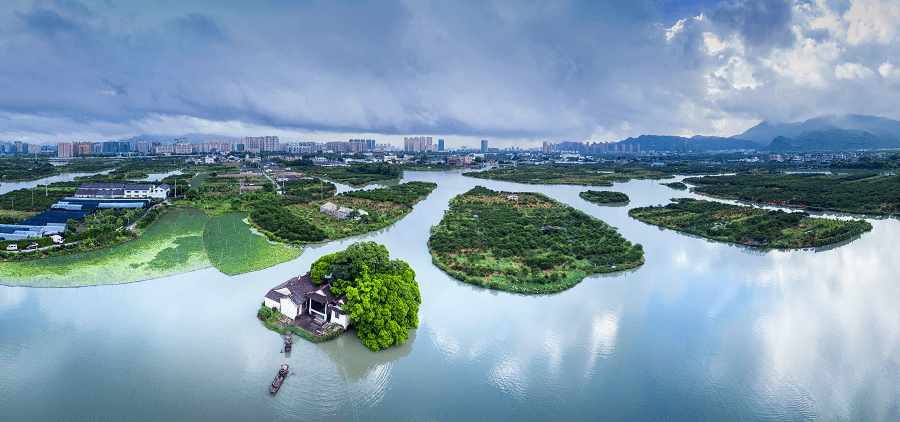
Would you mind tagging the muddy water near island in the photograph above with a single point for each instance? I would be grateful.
(703, 331)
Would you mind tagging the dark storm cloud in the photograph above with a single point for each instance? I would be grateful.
(761, 23)
(503, 68)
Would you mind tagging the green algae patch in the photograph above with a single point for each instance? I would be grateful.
(172, 245)
(234, 248)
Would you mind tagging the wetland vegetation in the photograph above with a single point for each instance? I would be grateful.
(675, 185)
(354, 174)
(584, 174)
(525, 242)
(853, 193)
(748, 225)
(302, 222)
(604, 197)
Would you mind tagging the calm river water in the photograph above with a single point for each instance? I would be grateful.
(703, 331)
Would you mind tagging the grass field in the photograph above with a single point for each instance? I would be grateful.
(198, 180)
(172, 245)
(234, 249)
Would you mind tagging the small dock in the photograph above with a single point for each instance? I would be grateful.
(288, 339)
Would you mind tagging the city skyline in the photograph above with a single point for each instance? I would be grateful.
(91, 70)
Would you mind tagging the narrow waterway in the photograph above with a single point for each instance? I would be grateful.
(703, 331)
(68, 177)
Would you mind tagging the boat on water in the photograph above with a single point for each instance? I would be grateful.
(288, 339)
(279, 379)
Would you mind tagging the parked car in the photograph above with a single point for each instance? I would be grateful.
(12, 248)
(32, 246)
(56, 239)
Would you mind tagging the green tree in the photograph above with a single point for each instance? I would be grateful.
(321, 268)
(348, 264)
(384, 306)
(192, 194)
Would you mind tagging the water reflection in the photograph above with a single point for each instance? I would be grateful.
(704, 330)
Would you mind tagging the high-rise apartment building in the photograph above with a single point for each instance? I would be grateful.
(484, 145)
(418, 144)
(64, 149)
(440, 144)
(262, 143)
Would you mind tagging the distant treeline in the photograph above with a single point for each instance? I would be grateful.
(854, 193)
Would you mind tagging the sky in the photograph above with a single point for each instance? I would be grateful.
(516, 73)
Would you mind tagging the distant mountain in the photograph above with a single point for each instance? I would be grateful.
(882, 127)
(194, 138)
(693, 144)
(830, 140)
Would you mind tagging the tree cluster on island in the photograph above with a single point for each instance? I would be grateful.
(855, 193)
(675, 185)
(382, 294)
(748, 225)
(604, 197)
(525, 242)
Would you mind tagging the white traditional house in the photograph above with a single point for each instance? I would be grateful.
(161, 191)
(325, 305)
(290, 297)
(299, 296)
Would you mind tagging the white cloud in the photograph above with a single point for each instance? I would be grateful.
(872, 21)
(852, 71)
(889, 72)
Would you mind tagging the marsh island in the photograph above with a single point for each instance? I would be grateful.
(525, 242)
(748, 225)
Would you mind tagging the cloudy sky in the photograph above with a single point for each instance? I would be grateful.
(516, 73)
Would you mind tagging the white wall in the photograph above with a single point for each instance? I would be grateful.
(272, 304)
(288, 308)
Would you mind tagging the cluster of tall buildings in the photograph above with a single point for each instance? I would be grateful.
(177, 146)
(260, 143)
(592, 147)
(422, 144)
(17, 147)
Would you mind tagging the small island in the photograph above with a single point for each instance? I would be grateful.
(862, 193)
(525, 243)
(749, 226)
(675, 185)
(359, 287)
(604, 197)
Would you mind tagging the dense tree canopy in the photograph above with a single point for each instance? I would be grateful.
(604, 196)
(525, 242)
(748, 225)
(384, 306)
(858, 193)
(382, 294)
(281, 223)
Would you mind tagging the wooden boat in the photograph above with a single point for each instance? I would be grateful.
(279, 378)
(288, 339)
